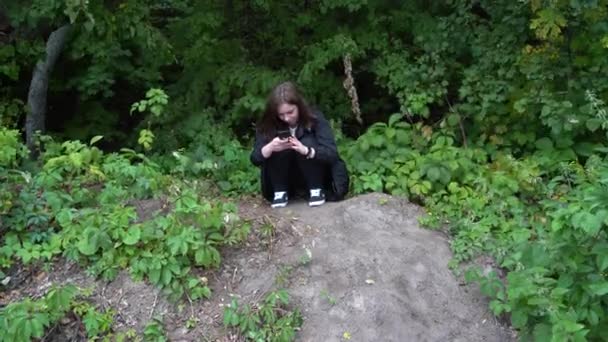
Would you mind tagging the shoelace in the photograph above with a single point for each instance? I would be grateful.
(315, 192)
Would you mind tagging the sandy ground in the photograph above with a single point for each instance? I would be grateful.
(378, 276)
(362, 266)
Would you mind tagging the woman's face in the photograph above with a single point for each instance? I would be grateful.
(288, 113)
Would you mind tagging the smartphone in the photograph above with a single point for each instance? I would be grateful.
(284, 134)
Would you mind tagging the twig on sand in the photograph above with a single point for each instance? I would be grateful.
(49, 332)
(154, 305)
(233, 276)
(191, 304)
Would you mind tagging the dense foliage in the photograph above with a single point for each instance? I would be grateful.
(490, 113)
(23, 321)
(266, 321)
(87, 206)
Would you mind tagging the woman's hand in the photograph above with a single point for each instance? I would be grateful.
(297, 146)
(275, 145)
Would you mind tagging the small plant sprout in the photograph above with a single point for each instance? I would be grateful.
(283, 275)
(330, 299)
(191, 322)
(307, 257)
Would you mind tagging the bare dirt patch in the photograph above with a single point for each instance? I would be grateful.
(363, 267)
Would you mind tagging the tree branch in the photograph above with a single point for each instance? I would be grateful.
(349, 86)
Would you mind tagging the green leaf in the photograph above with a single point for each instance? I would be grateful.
(177, 245)
(88, 244)
(444, 175)
(89, 24)
(95, 139)
(154, 276)
(207, 256)
(599, 289)
(593, 124)
(592, 223)
(377, 140)
(403, 137)
(593, 317)
(27, 328)
(167, 276)
(564, 142)
(156, 110)
(364, 145)
(520, 105)
(584, 149)
(542, 332)
(37, 327)
(216, 237)
(76, 159)
(571, 326)
(602, 262)
(229, 317)
(548, 24)
(544, 144)
(394, 119)
(519, 318)
(133, 235)
(59, 299)
(201, 292)
(91, 323)
(433, 173)
(453, 119)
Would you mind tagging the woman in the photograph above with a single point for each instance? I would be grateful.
(295, 148)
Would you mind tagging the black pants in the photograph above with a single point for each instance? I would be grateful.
(289, 169)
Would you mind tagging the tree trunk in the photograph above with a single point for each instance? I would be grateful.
(5, 27)
(36, 97)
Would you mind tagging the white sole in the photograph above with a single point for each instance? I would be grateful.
(278, 205)
(316, 203)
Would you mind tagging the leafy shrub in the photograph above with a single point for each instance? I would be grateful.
(408, 160)
(229, 167)
(21, 321)
(206, 148)
(28, 319)
(558, 282)
(155, 331)
(82, 204)
(267, 321)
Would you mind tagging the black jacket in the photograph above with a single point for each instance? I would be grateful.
(337, 181)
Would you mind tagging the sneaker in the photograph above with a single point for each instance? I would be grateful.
(317, 197)
(280, 199)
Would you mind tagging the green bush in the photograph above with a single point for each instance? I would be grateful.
(83, 204)
(267, 321)
(29, 319)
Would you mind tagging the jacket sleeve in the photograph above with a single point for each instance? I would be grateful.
(325, 150)
(256, 156)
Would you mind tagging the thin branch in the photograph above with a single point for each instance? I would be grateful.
(349, 86)
(49, 332)
(462, 132)
(153, 305)
(191, 304)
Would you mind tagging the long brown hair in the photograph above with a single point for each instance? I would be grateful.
(286, 92)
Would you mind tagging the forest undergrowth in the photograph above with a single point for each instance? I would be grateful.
(490, 114)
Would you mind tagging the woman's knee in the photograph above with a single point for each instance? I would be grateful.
(280, 157)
